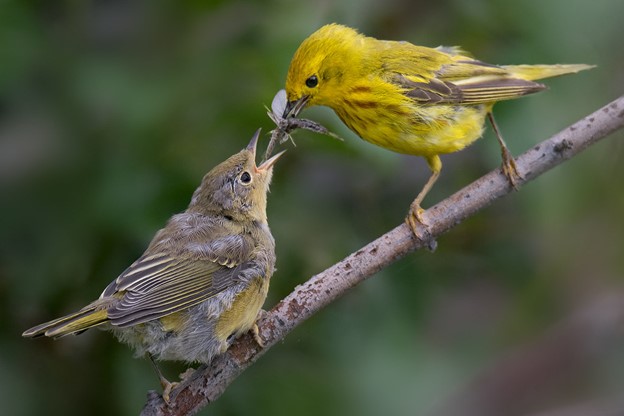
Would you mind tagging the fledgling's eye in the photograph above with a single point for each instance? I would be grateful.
(245, 178)
(312, 81)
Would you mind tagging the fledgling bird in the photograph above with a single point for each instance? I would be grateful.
(410, 99)
(203, 278)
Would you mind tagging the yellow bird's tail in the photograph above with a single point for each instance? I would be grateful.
(74, 323)
(534, 72)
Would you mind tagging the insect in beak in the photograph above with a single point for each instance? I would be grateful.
(293, 108)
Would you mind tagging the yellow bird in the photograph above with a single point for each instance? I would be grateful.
(410, 99)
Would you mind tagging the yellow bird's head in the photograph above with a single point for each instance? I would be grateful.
(320, 67)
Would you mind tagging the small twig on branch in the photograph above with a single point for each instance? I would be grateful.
(209, 382)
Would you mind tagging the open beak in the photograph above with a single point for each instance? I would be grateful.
(252, 148)
(254, 143)
(266, 165)
(293, 108)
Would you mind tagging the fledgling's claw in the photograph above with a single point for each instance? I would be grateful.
(167, 388)
(186, 374)
(256, 334)
(256, 331)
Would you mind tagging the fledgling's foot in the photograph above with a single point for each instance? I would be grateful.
(256, 334)
(167, 388)
(186, 374)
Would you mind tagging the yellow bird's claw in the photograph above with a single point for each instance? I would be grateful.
(419, 227)
(414, 219)
(416, 222)
(509, 169)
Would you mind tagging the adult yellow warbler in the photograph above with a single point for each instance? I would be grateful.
(406, 98)
(202, 280)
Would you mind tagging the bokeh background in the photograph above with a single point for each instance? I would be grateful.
(112, 111)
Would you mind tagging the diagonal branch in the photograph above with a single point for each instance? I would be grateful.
(207, 383)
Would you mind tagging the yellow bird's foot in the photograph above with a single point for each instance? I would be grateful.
(417, 224)
(256, 334)
(415, 220)
(509, 169)
(509, 164)
(419, 227)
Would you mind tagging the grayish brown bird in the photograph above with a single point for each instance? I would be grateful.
(202, 280)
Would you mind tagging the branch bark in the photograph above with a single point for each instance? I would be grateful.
(207, 383)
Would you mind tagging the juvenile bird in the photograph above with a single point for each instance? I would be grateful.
(203, 278)
(410, 99)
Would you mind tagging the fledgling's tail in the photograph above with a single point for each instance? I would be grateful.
(88, 317)
(534, 72)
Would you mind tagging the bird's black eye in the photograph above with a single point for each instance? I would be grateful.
(312, 81)
(245, 178)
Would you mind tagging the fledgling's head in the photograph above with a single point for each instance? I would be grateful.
(320, 65)
(236, 188)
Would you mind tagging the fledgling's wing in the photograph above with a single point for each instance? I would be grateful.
(164, 281)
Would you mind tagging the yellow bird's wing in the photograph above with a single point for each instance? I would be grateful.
(462, 81)
(159, 284)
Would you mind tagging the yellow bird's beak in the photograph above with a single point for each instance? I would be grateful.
(293, 108)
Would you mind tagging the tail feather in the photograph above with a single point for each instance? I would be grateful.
(74, 323)
(533, 72)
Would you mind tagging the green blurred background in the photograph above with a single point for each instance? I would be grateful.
(112, 111)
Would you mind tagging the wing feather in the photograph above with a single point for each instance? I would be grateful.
(460, 80)
(165, 292)
(476, 90)
(160, 283)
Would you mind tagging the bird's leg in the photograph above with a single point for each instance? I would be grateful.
(509, 164)
(256, 334)
(166, 384)
(414, 217)
(256, 331)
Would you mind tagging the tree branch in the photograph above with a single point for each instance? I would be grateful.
(207, 383)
